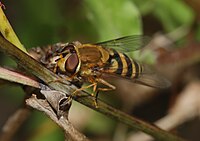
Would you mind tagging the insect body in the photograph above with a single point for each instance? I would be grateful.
(90, 62)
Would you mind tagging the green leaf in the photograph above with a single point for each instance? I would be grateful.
(112, 18)
(171, 13)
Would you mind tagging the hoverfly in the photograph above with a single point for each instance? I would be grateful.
(89, 62)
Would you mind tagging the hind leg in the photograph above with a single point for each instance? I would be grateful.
(110, 87)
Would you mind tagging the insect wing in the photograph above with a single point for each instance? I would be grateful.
(150, 77)
(127, 43)
(153, 80)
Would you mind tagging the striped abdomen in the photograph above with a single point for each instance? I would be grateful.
(121, 64)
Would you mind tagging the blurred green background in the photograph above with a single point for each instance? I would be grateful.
(39, 23)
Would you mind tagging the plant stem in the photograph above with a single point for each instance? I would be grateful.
(13, 123)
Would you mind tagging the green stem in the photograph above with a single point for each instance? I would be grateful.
(47, 76)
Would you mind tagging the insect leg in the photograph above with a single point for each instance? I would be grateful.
(94, 85)
(110, 87)
(94, 89)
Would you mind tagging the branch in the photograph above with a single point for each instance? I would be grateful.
(13, 124)
(70, 132)
(47, 76)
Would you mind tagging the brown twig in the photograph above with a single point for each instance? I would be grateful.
(70, 132)
(13, 123)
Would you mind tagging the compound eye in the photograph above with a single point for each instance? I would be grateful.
(72, 63)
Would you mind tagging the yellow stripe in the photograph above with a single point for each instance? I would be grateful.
(140, 69)
(124, 64)
(134, 70)
(114, 66)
